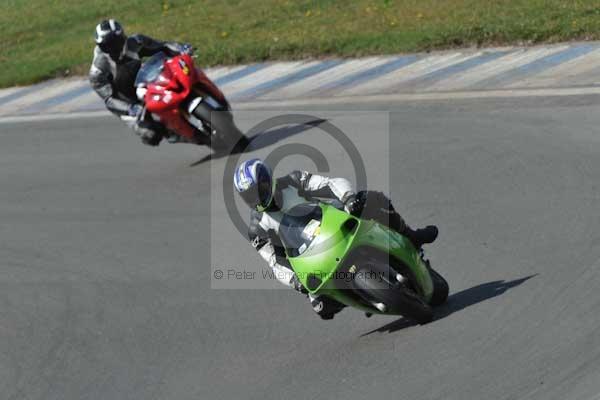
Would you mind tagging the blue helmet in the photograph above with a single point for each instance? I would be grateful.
(253, 180)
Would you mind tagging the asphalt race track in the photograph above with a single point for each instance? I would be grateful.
(105, 265)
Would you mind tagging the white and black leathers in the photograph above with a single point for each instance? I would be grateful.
(290, 190)
(113, 79)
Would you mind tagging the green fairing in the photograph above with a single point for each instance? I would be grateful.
(330, 246)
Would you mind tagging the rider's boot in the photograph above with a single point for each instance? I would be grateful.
(324, 306)
(418, 237)
(150, 132)
(422, 236)
(176, 138)
(377, 206)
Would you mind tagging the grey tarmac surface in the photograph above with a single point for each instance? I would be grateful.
(105, 271)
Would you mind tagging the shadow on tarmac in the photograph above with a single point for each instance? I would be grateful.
(264, 139)
(457, 302)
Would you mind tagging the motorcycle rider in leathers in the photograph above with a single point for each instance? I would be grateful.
(270, 198)
(117, 59)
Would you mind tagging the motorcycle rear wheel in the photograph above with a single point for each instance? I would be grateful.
(225, 134)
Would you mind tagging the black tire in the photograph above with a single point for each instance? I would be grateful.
(227, 135)
(440, 288)
(376, 283)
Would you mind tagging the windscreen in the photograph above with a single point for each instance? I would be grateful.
(151, 69)
(299, 228)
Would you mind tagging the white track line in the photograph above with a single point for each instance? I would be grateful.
(11, 90)
(324, 78)
(218, 72)
(407, 73)
(573, 72)
(489, 70)
(79, 102)
(263, 75)
(55, 89)
(410, 97)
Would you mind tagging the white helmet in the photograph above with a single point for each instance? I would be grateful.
(110, 37)
(253, 180)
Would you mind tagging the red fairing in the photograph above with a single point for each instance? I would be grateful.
(173, 85)
(174, 121)
(165, 95)
(210, 87)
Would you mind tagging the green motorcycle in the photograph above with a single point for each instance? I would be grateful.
(360, 263)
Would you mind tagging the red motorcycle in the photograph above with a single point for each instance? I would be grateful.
(187, 102)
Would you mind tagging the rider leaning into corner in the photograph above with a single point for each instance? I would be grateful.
(270, 198)
(117, 59)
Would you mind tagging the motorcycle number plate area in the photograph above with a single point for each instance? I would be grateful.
(312, 229)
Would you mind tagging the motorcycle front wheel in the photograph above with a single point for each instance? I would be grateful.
(378, 285)
(440, 287)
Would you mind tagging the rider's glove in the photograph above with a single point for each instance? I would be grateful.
(352, 205)
(135, 110)
(186, 48)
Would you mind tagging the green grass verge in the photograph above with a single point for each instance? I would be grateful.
(40, 39)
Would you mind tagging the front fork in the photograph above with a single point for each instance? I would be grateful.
(191, 119)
